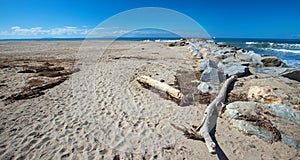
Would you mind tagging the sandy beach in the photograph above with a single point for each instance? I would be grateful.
(81, 100)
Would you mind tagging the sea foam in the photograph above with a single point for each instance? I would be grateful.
(286, 50)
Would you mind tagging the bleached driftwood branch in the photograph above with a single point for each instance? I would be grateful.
(173, 92)
(210, 115)
(210, 118)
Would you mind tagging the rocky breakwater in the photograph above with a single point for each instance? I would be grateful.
(264, 101)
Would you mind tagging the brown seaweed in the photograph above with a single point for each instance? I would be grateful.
(262, 123)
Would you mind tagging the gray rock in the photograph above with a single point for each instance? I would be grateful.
(291, 73)
(254, 56)
(207, 63)
(196, 53)
(272, 61)
(274, 71)
(212, 75)
(237, 70)
(222, 56)
(244, 57)
(204, 87)
(225, 51)
(230, 59)
(284, 118)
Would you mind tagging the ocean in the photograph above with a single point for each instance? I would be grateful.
(288, 50)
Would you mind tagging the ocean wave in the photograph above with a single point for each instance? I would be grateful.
(272, 44)
(162, 40)
(251, 43)
(167, 40)
(286, 50)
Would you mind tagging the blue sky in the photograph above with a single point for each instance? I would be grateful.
(220, 18)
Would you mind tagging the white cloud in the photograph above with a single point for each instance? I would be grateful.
(40, 32)
(99, 28)
(107, 33)
(62, 32)
(120, 32)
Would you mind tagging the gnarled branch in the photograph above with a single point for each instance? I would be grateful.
(210, 118)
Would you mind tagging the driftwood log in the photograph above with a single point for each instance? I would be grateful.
(148, 81)
(210, 115)
(209, 120)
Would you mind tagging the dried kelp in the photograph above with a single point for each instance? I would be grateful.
(262, 123)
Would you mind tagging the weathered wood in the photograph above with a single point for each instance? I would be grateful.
(174, 93)
(210, 117)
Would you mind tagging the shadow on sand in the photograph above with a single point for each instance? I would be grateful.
(221, 155)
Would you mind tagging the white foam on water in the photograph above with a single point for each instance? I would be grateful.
(168, 40)
(251, 43)
(286, 50)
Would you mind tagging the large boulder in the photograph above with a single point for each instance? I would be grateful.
(270, 122)
(253, 55)
(272, 61)
(264, 95)
(212, 75)
(274, 71)
(266, 89)
(210, 80)
(237, 70)
(207, 63)
(291, 73)
(244, 57)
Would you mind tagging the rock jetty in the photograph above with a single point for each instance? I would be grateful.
(264, 101)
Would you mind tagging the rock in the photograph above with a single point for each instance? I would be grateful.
(263, 95)
(206, 55)
(255, 59)
(274, 71)
(196, 53)
(191, 47)
(177, 43)
(203, 50)
(266, 121)
(254, 56)
(212, 79)
(291, 73)
(230, 59)
(207, 63)
(244, 57)
(271, 90)
(220, 57)
(225, 51)
(212, 75)
(240, 71)
(272, 61)
(204, 87)
(172, 44)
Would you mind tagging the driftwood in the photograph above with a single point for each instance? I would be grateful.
(148, 81)
(209, 120)
(210, 115)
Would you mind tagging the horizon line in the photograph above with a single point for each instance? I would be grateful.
(115, 38)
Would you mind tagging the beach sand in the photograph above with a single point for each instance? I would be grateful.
(101, 111)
